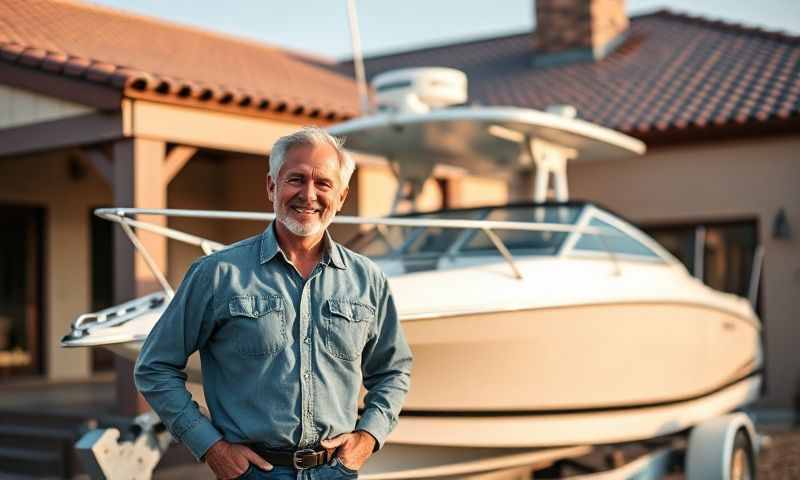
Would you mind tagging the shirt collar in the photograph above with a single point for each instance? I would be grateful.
(270, 248)
(334, 251)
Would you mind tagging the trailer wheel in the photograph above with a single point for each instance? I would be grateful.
(742, 462)
(721, 448)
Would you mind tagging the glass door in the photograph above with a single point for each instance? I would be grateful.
(21, 247)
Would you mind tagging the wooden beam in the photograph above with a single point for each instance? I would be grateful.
(103, 97)
(176, 159)
(200, 128)
(229, 108)
(62, 133)
(99, 162)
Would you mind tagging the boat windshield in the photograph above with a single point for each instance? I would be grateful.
(385, 241)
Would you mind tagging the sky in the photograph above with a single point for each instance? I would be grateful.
(320, 26)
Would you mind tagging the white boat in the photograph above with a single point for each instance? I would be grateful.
(566, 341)
(566, 336)
(533, 325)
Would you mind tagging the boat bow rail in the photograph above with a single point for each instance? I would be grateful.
(128, 220)
(114, 316)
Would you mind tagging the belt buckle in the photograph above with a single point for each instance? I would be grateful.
(297, 458)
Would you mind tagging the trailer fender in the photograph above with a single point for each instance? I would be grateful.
(722, 448)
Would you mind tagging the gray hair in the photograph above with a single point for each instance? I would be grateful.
(309, 137)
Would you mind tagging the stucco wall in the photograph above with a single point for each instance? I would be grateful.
(736, 179)
(197, 187)
(245, 189)
(45, 181)
(472, 191)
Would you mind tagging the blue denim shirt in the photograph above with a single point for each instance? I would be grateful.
(283, 358)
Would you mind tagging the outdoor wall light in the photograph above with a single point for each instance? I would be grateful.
(780, 226)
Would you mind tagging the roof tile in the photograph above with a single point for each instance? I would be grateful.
(674, 72)
(128, 51)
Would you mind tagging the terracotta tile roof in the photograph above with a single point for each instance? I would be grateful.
(141, 54)
(674, 74)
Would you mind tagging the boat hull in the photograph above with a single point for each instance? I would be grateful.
(582, 374)
(581, 357)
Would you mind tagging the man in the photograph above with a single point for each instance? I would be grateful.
(286, 323)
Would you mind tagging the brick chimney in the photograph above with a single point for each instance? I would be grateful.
(578, 30)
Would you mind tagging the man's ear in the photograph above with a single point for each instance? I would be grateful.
(270, 189)
(343, 197)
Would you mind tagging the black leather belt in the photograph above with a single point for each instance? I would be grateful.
(299, 459)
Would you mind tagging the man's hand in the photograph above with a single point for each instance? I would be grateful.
(353, 449)
(230, 460)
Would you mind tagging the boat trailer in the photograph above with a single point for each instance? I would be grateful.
(107, 453)
(721, 448)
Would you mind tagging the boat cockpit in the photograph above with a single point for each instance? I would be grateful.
(589, 232)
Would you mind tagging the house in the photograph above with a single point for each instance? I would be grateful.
(718, 105)
(100, 107)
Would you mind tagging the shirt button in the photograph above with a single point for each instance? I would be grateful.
(307, 340)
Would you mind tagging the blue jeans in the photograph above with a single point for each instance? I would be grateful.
(334, 470)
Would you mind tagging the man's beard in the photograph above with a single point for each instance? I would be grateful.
(301, 229)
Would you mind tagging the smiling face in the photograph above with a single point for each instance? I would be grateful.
(308, 191)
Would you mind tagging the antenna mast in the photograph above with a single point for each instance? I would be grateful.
(358, 59)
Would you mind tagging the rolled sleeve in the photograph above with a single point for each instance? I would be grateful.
(183, 328)
(386, 365)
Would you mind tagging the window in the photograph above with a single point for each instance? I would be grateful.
(728, 257)
(379, 241)
(725, 261)
(428, 244)
(526, 242)
(679, 241)
(386, 240)
(619, 242)
(433, 241)
(102, 270)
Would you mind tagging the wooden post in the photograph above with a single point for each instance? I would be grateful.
(141, 172)
(138, 168)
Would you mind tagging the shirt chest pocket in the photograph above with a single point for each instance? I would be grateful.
(347, 324)
(260, 324)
